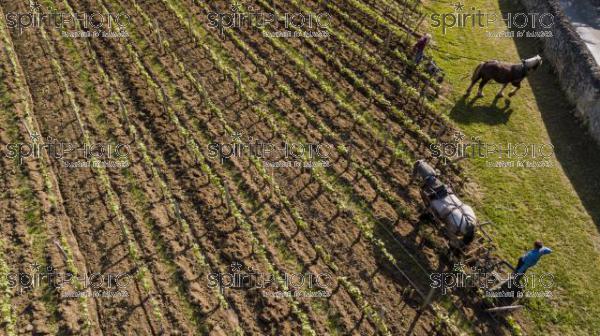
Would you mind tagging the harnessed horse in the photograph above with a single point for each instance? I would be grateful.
(459, 218)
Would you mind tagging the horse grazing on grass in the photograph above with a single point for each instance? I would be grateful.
(503, 73)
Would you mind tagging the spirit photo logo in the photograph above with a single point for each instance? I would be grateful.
(92, 23)
(474, 18)
(285, 154)
(463, 277)
(311, 25)
(40, 276)
(99, 154)
(293, 284)
(526, 155)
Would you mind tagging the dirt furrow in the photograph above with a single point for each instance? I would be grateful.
(160, 216)
(63, 251)
(127, 203)
(236, 109)
(102, 254)
(159, 110)
(23, 232)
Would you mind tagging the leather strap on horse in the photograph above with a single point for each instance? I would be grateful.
(451, 208)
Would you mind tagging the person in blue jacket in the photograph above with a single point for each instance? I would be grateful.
(531, 258)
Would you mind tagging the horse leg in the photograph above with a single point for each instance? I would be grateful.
(473, 82)
(484, 81)
(517, 87)
(475, 78)
(500, 94)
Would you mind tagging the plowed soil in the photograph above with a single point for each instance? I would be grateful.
(176, 217)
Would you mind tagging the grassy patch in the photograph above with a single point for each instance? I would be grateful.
(559, 205)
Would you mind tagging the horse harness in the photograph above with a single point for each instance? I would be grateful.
(438, 190)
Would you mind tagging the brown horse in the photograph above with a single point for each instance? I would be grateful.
(503, 73)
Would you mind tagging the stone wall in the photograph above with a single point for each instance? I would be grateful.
(577, 70)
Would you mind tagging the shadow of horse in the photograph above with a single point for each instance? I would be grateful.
(466, 112)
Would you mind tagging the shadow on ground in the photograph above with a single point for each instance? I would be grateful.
(414, 270)
(575, 149)
(466, 112)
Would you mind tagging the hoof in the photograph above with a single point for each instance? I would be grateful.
(499, 95)
(511, 94)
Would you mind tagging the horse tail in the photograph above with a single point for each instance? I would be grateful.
(477, 72)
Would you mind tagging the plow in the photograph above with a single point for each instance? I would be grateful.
(467, 244)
